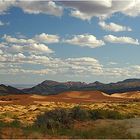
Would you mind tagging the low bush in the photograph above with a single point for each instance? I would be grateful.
(59, 118)
(106, 114)
(63, 118)
(14, 123)
(80, 114)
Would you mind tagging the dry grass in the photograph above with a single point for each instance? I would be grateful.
(25, 108)
(27, 113)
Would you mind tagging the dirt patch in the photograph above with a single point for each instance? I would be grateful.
(132, 95)
(38, 97)
(68, 97)
(6, 101)
(78, 95)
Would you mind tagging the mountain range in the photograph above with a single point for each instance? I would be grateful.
(50, 87)
(4, 90)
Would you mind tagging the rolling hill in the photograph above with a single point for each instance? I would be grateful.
(133, 94)
(49, 87)
(66, 97)
(4, 90)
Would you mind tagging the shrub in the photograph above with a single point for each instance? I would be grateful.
(59, 118)
(100, 131)
(78, 113)
(106, 114)
(15, 123)
(97, 114)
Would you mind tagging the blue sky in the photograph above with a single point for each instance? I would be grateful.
(63, 41)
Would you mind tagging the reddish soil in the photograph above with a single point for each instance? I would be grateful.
(132, 94)
(69, 97)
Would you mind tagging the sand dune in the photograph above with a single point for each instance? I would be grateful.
(70, 97)
(38, 97)
(135, 94)
(80, 96)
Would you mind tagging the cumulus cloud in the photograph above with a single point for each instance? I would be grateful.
(33, 7)
(40, 38)
(133, 8)
(85, 40)
(102, 9)
(3, 23)
(122, 40)
(11, 39)
(46, 38)
(5, 5)
(1, 52)
(44, 65)
(113, 27)
(18, 45)
(77, 66)
(84, 10)
(87, 66)
(80, 15)
(87, 9)
(30, 48)
(37, 7)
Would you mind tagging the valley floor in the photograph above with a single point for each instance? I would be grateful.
(28, 113)
(25, 109)
(98, 129)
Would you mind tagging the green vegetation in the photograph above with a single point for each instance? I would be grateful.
(111, 131)
(14, 123)
(79, 114)
(71, 123)
(59, 118)
(107, 114)
(64, 118)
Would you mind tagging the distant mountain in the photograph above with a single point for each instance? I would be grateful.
(9, 90)
(22, 86)
(132, 94)
(53, 87)
(119, 87)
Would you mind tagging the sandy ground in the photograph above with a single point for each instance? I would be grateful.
(70, 97)
(134, 125)
(135, 94)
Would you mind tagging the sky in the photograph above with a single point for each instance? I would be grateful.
(69, 41)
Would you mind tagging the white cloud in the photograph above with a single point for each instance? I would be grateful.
(47, 38)
(3, 23)
(85, 40)
(133, 9)
(81, 66)
(40, 38)
(38, 48)
(33, 7)
(10, 39)
(37, 7)
(16, 45)
(86, 10)
(113, 27)
(122, 40)
(5, 5)
(76, 66)
(1, 52)
(80, 15)
(112, 63)
(118, 72)
(28, 48)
